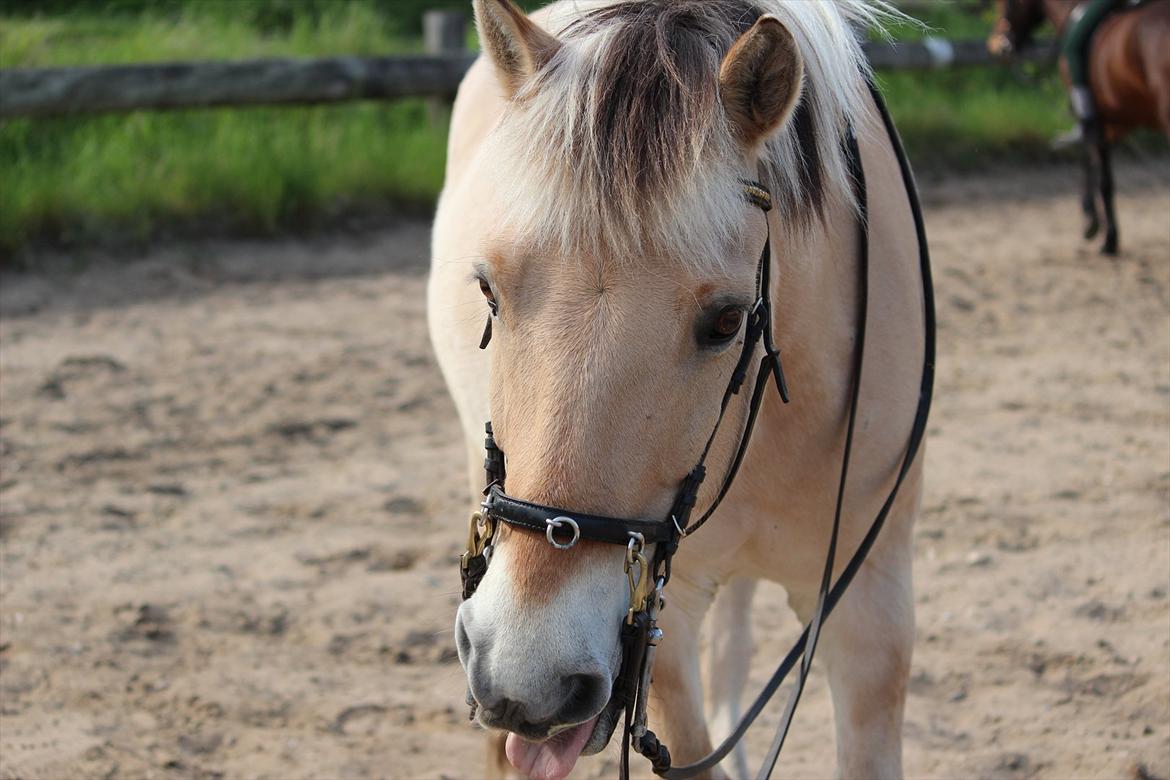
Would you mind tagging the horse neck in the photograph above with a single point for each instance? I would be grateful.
(1058, 12)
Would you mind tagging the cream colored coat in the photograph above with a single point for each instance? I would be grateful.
(580, 422)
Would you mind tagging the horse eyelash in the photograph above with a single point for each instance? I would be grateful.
(480, 278)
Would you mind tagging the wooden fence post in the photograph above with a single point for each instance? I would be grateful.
(444, 34)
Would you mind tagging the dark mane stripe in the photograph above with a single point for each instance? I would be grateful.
(811, 174)
(625, 122)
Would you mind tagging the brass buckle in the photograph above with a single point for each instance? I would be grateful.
(479, 532)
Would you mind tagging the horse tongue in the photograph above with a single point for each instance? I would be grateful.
(552, 759)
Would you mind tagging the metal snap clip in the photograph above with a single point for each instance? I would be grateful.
(555, 524)
(637, 542)
(479, 534)
(639, 581)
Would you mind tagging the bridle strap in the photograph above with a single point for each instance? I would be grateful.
(829, 598)
(597, 528)
(809, 638)
(770, 365)
(759, 327)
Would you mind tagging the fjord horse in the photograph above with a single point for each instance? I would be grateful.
(593, 209)
(1129, 77)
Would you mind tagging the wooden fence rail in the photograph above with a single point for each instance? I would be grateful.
(44, 92)
(40, 92)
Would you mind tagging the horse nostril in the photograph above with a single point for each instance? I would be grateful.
(584, 694)
(511, 714)
(462, 640)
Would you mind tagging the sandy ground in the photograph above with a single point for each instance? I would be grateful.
(232, 497)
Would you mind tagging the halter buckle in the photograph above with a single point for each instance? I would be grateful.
(759, 313)
(757, 194)
(555, 524)
(479, 533)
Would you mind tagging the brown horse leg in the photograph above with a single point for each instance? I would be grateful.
(1164, 107)
(1106, 166)
(1089, 195)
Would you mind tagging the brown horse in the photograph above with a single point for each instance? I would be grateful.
(1129, 75)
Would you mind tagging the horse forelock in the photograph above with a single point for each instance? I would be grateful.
(620, 145)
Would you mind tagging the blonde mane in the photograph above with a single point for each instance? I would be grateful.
(620, 145)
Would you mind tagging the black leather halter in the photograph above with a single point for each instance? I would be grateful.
(564, 528)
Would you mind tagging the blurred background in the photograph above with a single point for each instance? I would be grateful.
(266, 170)
(232, 487)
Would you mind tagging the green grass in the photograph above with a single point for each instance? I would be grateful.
(959, 119)
(205, 30)
(945, 19)
(255, 170)
(964, 119)
(266, 170)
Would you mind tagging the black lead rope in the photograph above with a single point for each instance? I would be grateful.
(827, 601)
(813, 630)
(857, 171)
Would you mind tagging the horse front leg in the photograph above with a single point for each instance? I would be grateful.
(729, 655)
(1089, 194)
(1106, 164)
(676, 695)
(866, 647)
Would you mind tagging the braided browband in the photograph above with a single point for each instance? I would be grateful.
(757, 194)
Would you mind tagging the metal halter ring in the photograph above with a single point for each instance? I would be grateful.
(637, 542)
(557, 522)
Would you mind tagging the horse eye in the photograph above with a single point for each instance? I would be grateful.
(725, 325)
(486, 289)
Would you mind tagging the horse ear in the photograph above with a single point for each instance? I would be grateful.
(517, 47)
(760, 80)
